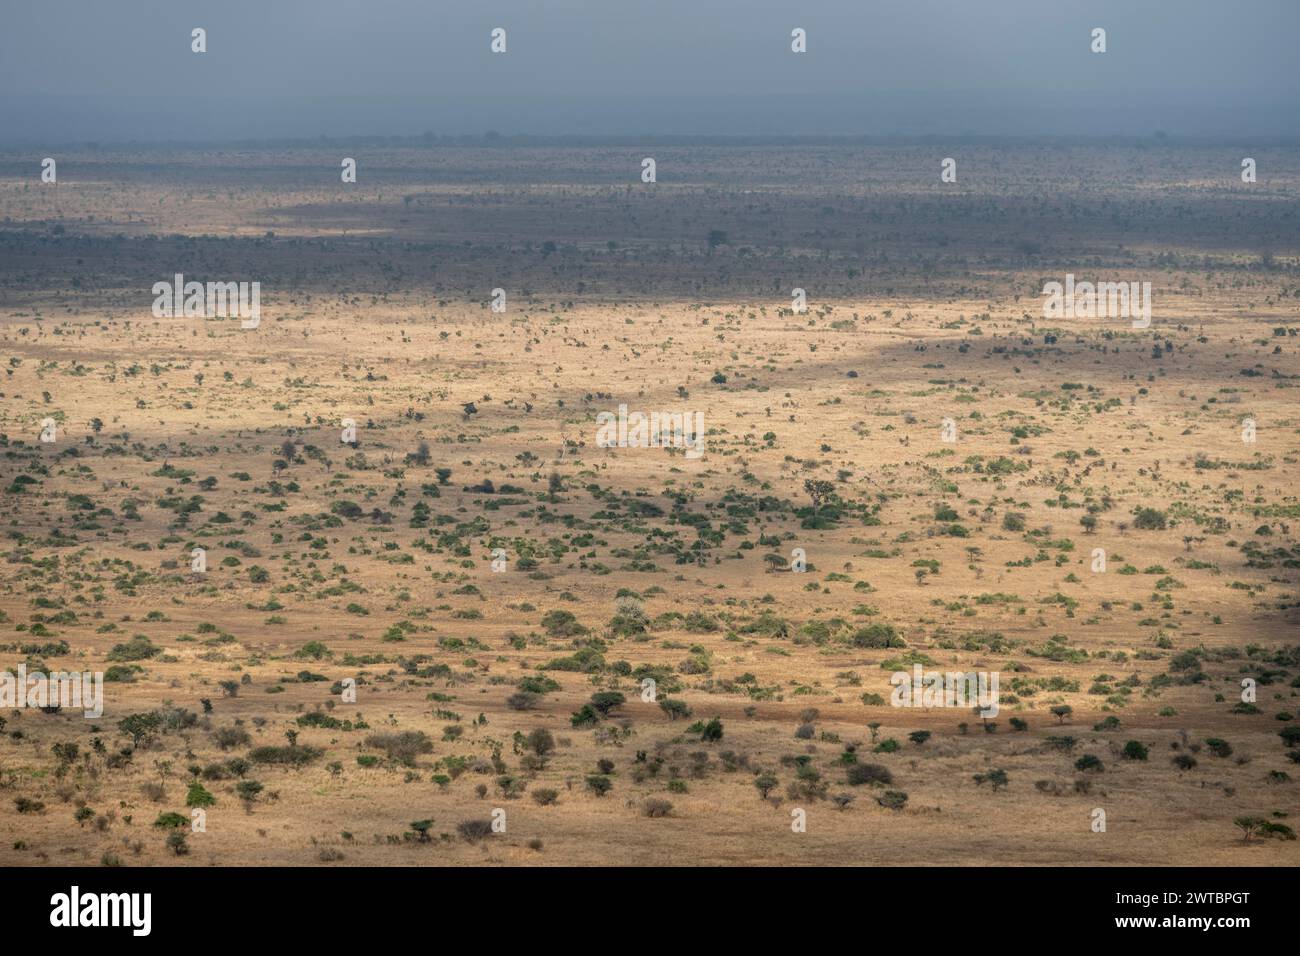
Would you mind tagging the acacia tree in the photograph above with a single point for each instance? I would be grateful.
(818, 490)
(421, 828)
(1249, 826)
(140, 726)
(541, 742)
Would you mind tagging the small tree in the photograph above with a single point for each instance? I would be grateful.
(1061, 711)
(606, 700)
(1249, 826)
(818, 491)
(674, 708)
(421, 828)
(140, 727)
(541, 742)
(1218, 746)
(776, 563)
(1149, 519)
(997, 778)
(1135, 750)
(248, 791)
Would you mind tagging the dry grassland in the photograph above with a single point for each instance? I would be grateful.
(328, 562)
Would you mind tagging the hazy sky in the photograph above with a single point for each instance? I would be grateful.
(122, 69)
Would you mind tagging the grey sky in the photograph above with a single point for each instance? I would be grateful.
(89, 69)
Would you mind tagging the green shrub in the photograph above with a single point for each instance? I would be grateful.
(402, 747)
(1149, 519)
(997, 778)
(872, 773)
(607, 700)
(1219, 747)
(285, 756)
(1135, 750)
(199, 796)
(892, 799)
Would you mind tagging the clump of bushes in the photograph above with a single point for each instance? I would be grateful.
(292, 756)
(402, 747)
(869, 773)
(892, 799)
(474, 830)
(656, 807)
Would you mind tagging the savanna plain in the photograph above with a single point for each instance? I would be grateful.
(350, 681)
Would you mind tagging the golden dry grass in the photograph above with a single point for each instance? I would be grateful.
(374, 308)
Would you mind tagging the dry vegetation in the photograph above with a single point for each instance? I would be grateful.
(520, 690)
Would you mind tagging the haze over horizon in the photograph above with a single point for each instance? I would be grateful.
(343, 68)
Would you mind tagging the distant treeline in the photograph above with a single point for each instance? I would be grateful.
(493, 138)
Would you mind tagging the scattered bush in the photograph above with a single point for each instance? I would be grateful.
(655, 807)
(869, 773)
